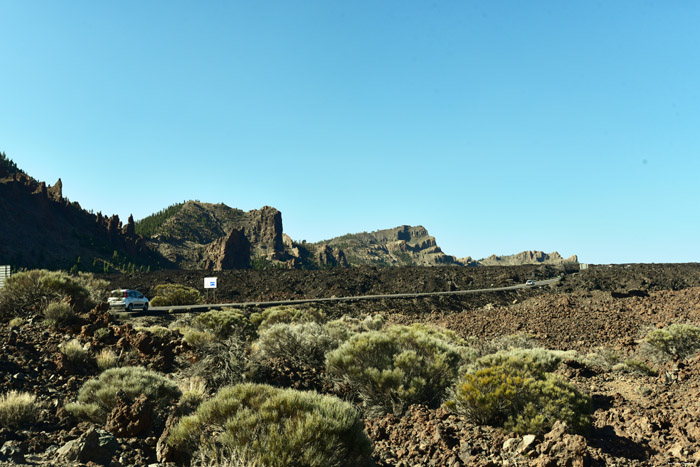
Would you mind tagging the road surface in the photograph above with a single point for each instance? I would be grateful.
(207, 307)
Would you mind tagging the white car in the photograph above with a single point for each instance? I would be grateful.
(127, 299)
(529, 282)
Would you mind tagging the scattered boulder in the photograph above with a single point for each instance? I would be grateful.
(130, 418)
(95, 445)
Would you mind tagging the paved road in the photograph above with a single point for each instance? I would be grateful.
(188, 308)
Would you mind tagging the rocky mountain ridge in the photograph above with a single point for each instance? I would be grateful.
(41, 228)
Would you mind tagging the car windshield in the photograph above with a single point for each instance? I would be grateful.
(116, 294)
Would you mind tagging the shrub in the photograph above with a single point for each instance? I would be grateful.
(277, 315)
(16, 322)
(106, 359)
(59, 314)
(534, 361)
(28, 293)
(297, 344)
(17, 408)
(175, 295)
(97, 288)
(197, 339)
(75, 352)
(678, 341)
(221, 362)
(226, 322)
(510, 342)
(276, 427)
(512, 397)
(102, 333)
(158, 331)
(98, 396)
(390, 370)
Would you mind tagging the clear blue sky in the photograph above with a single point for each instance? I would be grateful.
(500, 126)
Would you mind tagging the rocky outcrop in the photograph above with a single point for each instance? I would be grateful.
(229, 252)
(400, 246)
(327, 256)
(527, 257)
(263, 229)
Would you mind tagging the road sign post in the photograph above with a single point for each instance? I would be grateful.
(210, 283)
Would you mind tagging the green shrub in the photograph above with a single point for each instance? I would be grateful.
(59, 314)
(276, 427)
(28, 293)
(676, 341)
(158, 331)
(226, 322)
(299, 345)
(272, 316)
(196, 338)
(102, 333)
(535, 361)
(390, 370)
(176, 295)
(98, 396)
(510, 396)
(75, 352)
(17, 408)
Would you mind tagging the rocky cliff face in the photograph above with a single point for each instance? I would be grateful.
(41, 228)
(403, 245)
(526, 257)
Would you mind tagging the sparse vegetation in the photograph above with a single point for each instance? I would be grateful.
(276, 427)
(98, 396)
(676, 341)
(176, 295)
(151, 225)
(16, 322)
(17, 408)
(390, 370)
(59, 314)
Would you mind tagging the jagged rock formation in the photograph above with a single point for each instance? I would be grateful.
(403, 245)
(41, 228)
(327, 256)
(525, 257)
(216, 236)
(229, 252)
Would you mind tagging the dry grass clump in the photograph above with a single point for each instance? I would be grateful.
(106, 359)
(98, 396)
(17, 408)
(75, 352)
(263, 425)
(16, 322)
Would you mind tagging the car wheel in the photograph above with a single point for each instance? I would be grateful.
(130, 308)
(145, 307)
